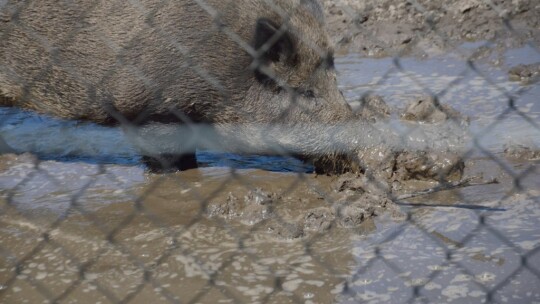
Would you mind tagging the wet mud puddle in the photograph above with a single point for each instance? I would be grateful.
(80, 232)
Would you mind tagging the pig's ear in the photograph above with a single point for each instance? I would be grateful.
(315, 8)
(277, 42)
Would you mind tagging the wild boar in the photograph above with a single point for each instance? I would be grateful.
(220, 63)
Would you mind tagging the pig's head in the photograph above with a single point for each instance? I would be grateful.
(296, 64)
(295, 82)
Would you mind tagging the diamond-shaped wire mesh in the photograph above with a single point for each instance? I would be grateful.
(269, 151)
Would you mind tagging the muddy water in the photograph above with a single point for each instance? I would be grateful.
(156, 223)
(114, 232)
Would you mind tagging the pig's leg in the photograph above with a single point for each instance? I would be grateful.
(170, 162)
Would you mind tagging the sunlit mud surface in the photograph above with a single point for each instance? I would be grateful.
(80, 232)
(482, 90)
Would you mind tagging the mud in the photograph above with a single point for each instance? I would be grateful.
(521, 153)
(356, 198)
(388, 28)
(390, 168)
(525, 73)
(426, 109)
(372, 108)
(153, 242)
(346, 205)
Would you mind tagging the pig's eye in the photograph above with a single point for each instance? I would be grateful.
(309, 94)
(306, 93)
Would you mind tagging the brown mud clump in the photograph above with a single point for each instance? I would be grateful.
(255, 207)
(392, 166)
(372, 108)
(525, 73)
(428, 110)
(272, 214)
(521, 152)
(10, 160)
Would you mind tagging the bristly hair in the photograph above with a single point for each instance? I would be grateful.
(336, 163)
(315, 8)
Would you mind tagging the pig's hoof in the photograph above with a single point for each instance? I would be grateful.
(164, 163)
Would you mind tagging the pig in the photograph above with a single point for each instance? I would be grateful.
(222, 63)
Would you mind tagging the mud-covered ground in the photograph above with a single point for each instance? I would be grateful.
(148, 237)
(380, 28)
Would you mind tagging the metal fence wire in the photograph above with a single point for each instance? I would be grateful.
(384, 201)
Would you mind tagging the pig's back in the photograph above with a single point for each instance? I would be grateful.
(87, 59)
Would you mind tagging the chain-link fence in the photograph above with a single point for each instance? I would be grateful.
(269, 151)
